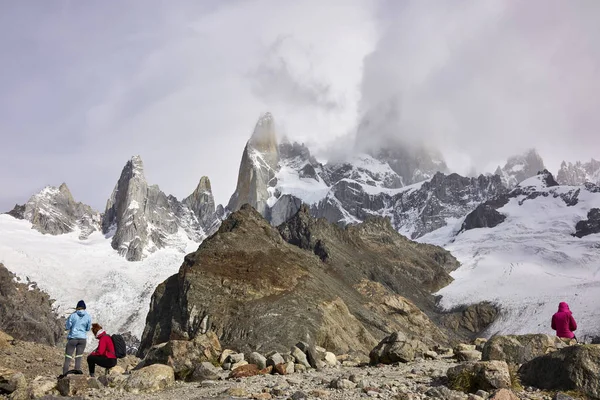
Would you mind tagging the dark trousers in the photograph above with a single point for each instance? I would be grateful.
(76, 346)
(101, 361)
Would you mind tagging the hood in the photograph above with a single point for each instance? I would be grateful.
(562, 306)
(100, 333)
(81, 313)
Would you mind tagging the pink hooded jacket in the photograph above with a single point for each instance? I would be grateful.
(563, 322)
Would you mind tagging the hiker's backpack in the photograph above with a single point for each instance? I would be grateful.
(119, 344)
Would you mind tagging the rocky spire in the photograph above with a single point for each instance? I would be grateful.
(258, 167)
(202, 203)
(124, 213)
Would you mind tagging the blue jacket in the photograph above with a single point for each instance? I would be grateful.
(78, 324)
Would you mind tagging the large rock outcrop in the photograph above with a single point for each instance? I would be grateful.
(141, 218)
(571, 368)
(519, 349)
(54, 211)
(589, 226)
(258, 168)
(26, 312)
(262, 288)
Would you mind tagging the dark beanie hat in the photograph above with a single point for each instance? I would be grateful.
(81, 304)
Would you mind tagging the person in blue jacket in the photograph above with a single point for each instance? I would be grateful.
(78, 324)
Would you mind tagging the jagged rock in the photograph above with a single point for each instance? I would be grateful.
(258, 167)
(11, 381)
(589, 226)
(73, 385)
(520, 167)
(26, 312)
(141, 218)
(261, 266)
(483, 375)
(480, 343)
(150, 379)
(396, 348)
(202, 203)
(570, 368)
(579, 173)
(185, 355)
(519, 349)
(54, 211)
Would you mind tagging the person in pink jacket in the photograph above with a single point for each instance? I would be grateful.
(563, 322)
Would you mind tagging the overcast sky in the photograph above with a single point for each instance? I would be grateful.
(86, 85)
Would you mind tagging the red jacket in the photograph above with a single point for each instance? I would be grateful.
(563, 322)
(106, 348)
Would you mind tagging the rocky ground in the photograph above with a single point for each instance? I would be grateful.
(28, 371)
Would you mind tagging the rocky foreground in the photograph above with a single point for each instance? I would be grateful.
(505, 367)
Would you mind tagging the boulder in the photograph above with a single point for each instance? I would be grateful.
(205, 371)
(519, 349)
(311, 354)
(225, 355)
(235, 358)
(397, 347)
(150, 379)
(468, 355)
(571, 368)
(483, 375)
(300, 357)
(76, 385)
(258, 359)
(185, 355)
(40, 386)
(245, 371)
(275, 359)
(331, 359)
(480, 343)
(11, 381)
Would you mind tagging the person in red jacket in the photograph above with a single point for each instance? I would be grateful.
(104, 355)
(563, 322)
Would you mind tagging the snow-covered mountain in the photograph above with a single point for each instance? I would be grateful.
(140, 218)
(520, 167)
(277, 178)
(54, 211)
(521, 252)
(117, 292)
(579, 173)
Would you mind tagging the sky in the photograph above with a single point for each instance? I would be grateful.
(87, 85)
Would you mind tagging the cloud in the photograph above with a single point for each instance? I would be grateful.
(86, 86)
(486, 79)
(182, 84)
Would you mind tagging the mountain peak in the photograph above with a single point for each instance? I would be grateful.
(520, 167)
(264, 138)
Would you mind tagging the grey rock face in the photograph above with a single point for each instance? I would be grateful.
(258, 167)
(589, 226)
(55, 212)
(520, 167)
(576, 174)
(202, 204)
(141, 218)
(125, 212)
